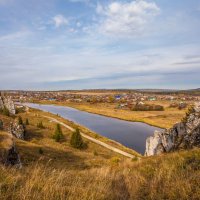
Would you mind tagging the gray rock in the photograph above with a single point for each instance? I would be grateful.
(12, 157)
(17, 130)
(182, 135)
(8, 103)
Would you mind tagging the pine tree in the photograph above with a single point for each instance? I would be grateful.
(58, 135)
(76, 140)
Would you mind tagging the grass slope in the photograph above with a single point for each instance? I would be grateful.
(62, 172)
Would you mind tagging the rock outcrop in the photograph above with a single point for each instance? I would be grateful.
(9, 155)
(183, 135)
(17, 130)
(12, 157)
(6, 102)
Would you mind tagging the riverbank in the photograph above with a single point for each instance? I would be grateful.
(87, 132)
(161, 119)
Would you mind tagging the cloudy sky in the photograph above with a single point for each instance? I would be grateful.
(80, 44)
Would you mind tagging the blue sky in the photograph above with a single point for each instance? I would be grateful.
(81, 44)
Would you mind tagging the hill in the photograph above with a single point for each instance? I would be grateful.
(55, 170)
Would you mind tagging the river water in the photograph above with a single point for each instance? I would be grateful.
(130, 134)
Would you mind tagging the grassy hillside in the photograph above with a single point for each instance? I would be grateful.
(172, 176)
(55, 170)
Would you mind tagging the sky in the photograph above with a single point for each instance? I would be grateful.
(90, 44)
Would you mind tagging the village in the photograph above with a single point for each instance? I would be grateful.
(128, 100)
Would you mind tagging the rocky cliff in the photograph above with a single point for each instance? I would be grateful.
(183, 135)
(6, 102)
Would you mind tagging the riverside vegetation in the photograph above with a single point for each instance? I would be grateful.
(57, 170)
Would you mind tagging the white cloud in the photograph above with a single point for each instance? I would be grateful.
(60, 20)
(119, 18)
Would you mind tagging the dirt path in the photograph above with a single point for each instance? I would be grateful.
(93, 139)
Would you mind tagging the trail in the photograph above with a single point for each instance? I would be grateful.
(93, 139)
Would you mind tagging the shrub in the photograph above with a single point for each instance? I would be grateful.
(190, 111)
(40, 125)
(147, 107)
(40, 151)
(76, 140)
(58, 135)
(1, 125)
(27, 121)
(115, 160)
(5, 111)
(20, 121)
(20, 110)
(95, 153)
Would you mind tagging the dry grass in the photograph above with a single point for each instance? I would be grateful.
(172, 176)
(96, 173)
(163, 119)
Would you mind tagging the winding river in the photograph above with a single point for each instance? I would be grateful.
(130, 134)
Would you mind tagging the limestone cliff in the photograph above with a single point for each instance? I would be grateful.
(183, 135)
(6, 102)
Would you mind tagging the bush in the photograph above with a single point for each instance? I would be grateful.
(40, 125)
(1, 125)
(190, 111)
(58, 135)
(20, 121)
(40, 151)
(5, 112)
(76, 140)
(27, 121)
(20, 110)
(147, 107)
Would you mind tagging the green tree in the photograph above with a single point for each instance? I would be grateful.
(27, 121)
(58, 135)
(76, 140)
(20, 121)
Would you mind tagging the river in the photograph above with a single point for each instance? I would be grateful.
(130, 134)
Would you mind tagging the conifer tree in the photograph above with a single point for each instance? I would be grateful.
(76, 140)
(58, 135)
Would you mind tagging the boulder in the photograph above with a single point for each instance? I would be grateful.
(183, 135)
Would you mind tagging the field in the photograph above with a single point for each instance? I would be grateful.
(162, 119)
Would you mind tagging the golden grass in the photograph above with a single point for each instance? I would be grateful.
(172, 176)
(62, 172)
(162, 119)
